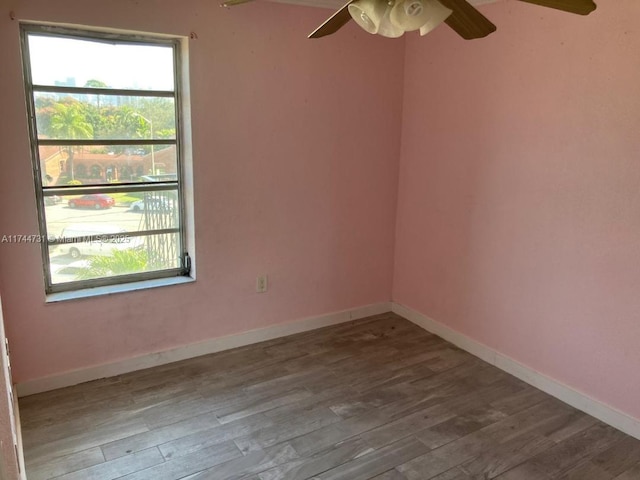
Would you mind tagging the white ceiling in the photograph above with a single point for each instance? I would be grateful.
(336, 4)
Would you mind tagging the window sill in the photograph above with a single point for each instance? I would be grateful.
(111, 289)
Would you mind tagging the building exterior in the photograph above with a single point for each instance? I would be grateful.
(90, 167)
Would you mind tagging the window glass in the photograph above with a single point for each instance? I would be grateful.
(107, 164)
(108, 255)
(72, 61)
(67, 116)
(99, 158)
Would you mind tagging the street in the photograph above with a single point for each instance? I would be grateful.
(63, 267)
(60, 215)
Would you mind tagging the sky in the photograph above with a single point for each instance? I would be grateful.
(57, 59)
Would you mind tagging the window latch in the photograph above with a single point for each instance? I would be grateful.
(186, 264)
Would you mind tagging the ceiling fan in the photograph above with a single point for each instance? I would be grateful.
(391, 18)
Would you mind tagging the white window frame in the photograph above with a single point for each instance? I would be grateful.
(127, 282)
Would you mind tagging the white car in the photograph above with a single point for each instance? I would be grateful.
(95, 239)
(152, 205)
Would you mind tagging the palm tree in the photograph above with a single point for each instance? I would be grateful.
(120, 262)
(96, 84)
(69, 123)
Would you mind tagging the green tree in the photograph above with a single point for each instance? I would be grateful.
(45, 109)
(70, 123)
(121, 122)
(129, 124)
(93, 83)
(162, 112)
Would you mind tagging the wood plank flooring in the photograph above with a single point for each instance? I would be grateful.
(377, 398)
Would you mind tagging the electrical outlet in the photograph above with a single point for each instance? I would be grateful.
(261, 283)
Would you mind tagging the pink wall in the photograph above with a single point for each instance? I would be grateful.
(518, 219)
(519, 208)
(9, 468)
(296, 146)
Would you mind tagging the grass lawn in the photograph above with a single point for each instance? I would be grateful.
(126, 198)
(122, 199)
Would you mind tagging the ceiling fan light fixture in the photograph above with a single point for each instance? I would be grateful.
(412, 15)
(387, 28)
(413, 8)
(368, 14)
(438, 14)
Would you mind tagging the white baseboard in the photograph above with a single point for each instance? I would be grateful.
(575, 398)
(19, 444)
(214, 345)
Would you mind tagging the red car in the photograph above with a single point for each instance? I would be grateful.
(96, 201)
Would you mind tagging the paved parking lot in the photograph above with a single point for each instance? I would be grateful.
(61, 215)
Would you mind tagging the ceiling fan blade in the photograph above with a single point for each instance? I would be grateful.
(231, 3)
(468, 22)
(334, 23)
(581, 7)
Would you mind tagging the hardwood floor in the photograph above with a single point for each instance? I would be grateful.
(375, 398)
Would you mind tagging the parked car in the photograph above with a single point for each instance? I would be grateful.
(95, 239)
(96, 201)
(152, 205)
(52, 200)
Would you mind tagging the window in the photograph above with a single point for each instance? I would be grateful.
(105, 131)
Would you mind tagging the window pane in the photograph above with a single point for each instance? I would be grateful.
(96, 233)
(112, 257)
(72, 62)
(107, 164)
(104, 117)
(80, 215)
